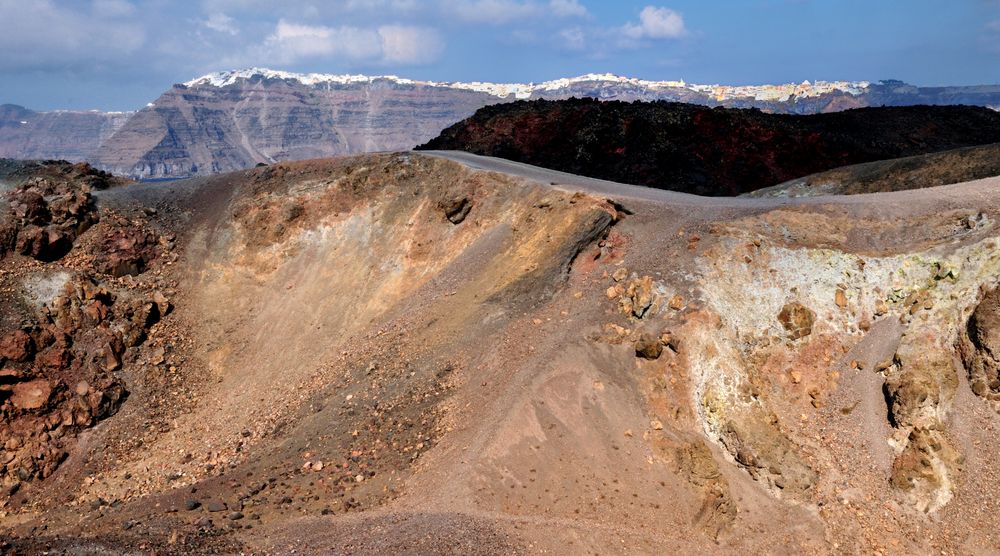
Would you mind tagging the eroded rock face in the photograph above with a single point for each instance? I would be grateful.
(980, 348)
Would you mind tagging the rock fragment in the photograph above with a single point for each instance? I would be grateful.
(648, 347)
(797, 319)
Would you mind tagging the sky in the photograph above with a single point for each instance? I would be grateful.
(122, 54)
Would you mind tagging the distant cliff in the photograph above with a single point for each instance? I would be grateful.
(66, 135)
(709, 151)
(236, 119)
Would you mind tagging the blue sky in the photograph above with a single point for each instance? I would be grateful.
(121, 54)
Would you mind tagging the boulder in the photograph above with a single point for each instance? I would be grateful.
(17, 346)
(32, 394)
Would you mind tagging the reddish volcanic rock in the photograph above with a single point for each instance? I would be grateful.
(31, 395)
(17, 346)
(708, 151)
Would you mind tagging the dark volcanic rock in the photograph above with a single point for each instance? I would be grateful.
(707, 151)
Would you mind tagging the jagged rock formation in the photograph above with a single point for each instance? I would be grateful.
(390, 351)
(66, 327)
(236, 119)
(706, 151)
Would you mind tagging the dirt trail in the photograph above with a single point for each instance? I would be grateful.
(439, 352)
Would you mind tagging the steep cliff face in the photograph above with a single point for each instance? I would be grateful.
(62, 135)
(203, 128)
(708, 151)
(236, 119)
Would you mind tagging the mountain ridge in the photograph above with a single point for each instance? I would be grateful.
(235, 119)
(526, 90)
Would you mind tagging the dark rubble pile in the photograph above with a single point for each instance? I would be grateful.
(41, 218)
(61, 357)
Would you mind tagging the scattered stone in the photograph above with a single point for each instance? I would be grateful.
(191, 504)
(235, 516)
(881, 308)
(841, 298)
(216, 506)
(162, 305)
(31, 395)
(797, 319)
(620, 274)
(457, 209)
(676, 302)
(648, 346)
(638, 297)
(157, 356)
(883, 365)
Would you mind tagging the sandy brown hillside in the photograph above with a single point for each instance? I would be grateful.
(396, 353)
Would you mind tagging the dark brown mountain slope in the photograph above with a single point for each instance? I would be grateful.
(707, 151)
(898, 174)
(17, 172)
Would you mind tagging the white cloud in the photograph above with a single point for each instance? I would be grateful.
(408, 45)
(499, 12)
(568, 8)
(113, 8)
(222, 23)
(388, 44)
(573, 39)
(656, 23)
(990, 37)
(381, 5)
(492, 11)
(42, 33)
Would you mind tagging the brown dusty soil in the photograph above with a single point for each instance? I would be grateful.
(397, 353)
